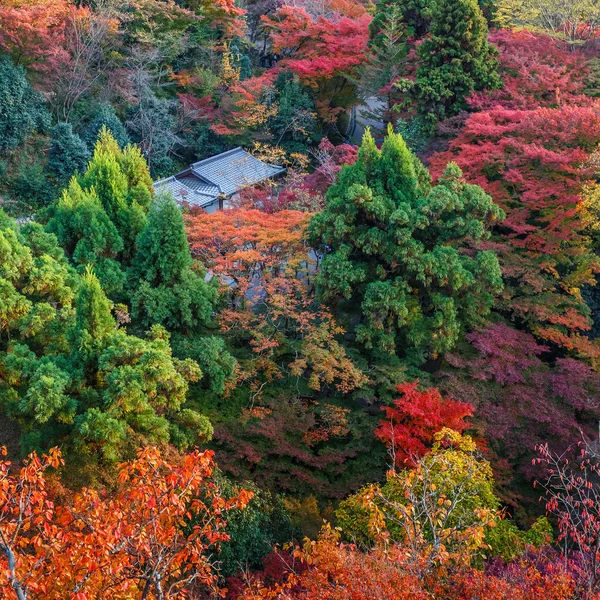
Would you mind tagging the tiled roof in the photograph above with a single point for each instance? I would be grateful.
(183, 193)
(233, 170)
(223, 174)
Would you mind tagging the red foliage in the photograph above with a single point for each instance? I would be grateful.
(537, 71)
(32, 32)
(530, 162)
(321, 47)
(331, 159)
(409, 425)
(521, 398)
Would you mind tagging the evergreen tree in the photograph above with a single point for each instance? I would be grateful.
(454, 60)
(122, 182)
(397, 248)
(88, 236)
(168, 289)
(105, 118)
(68, 374)
(68, 153)
(22, 110)
(293, 127)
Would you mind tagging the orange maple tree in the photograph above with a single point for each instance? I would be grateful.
(267, 270)
(153, 536)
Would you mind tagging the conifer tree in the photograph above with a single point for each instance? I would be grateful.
(397, 248)
(68, 153)
(168, 290)
(455, 60)
(68, 374)
(122, 181)
(88, 236)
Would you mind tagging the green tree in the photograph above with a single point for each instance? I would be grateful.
(22, 110)
(398, 250)
(68, 153)
(122, 182)
(105, 118)
(293, 127)
(454, 60)
(169, 288)
(88, 236)
(102, 392)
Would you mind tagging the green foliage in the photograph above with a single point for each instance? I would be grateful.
(68, 153)
(398, 249)
(88, 236)
(68, 374)
(22, 110)
(510, 542)
(454, 60)
(122, 182)
(293, 127)
(453, 473)
(253, 531)
(217, 364)
(105, 118)
(168, 290)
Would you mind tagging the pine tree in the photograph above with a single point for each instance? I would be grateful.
(395, 247)
(168, 290)
(68, 153)
(455, 60)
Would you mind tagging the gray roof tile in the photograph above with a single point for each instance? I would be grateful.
(234, 169)
(223, 174)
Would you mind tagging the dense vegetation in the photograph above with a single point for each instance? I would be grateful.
(376, 376)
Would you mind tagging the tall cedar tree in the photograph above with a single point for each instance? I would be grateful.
(168, 289)
(455, 60)
(397, 248)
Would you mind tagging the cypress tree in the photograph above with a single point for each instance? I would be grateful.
(168, 290)
(392, 246)
(455, 60)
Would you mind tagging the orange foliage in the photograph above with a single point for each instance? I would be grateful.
(268, 271)
(153, 535)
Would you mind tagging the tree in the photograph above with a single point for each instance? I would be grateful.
(410, 425)
(122, 182)
(169, 288)
(105, 118)
(571, 494)
(438, 510)
(32, 32)
(78, 380)
(294, 124)
(323, 50)
(455, 60)
(530, 161)
(153, 535)
(68, 153)
(392, 245)
(267, 265)
(22, 110)
(88, 236)
(524, 395)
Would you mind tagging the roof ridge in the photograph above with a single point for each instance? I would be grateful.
(205, 161)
